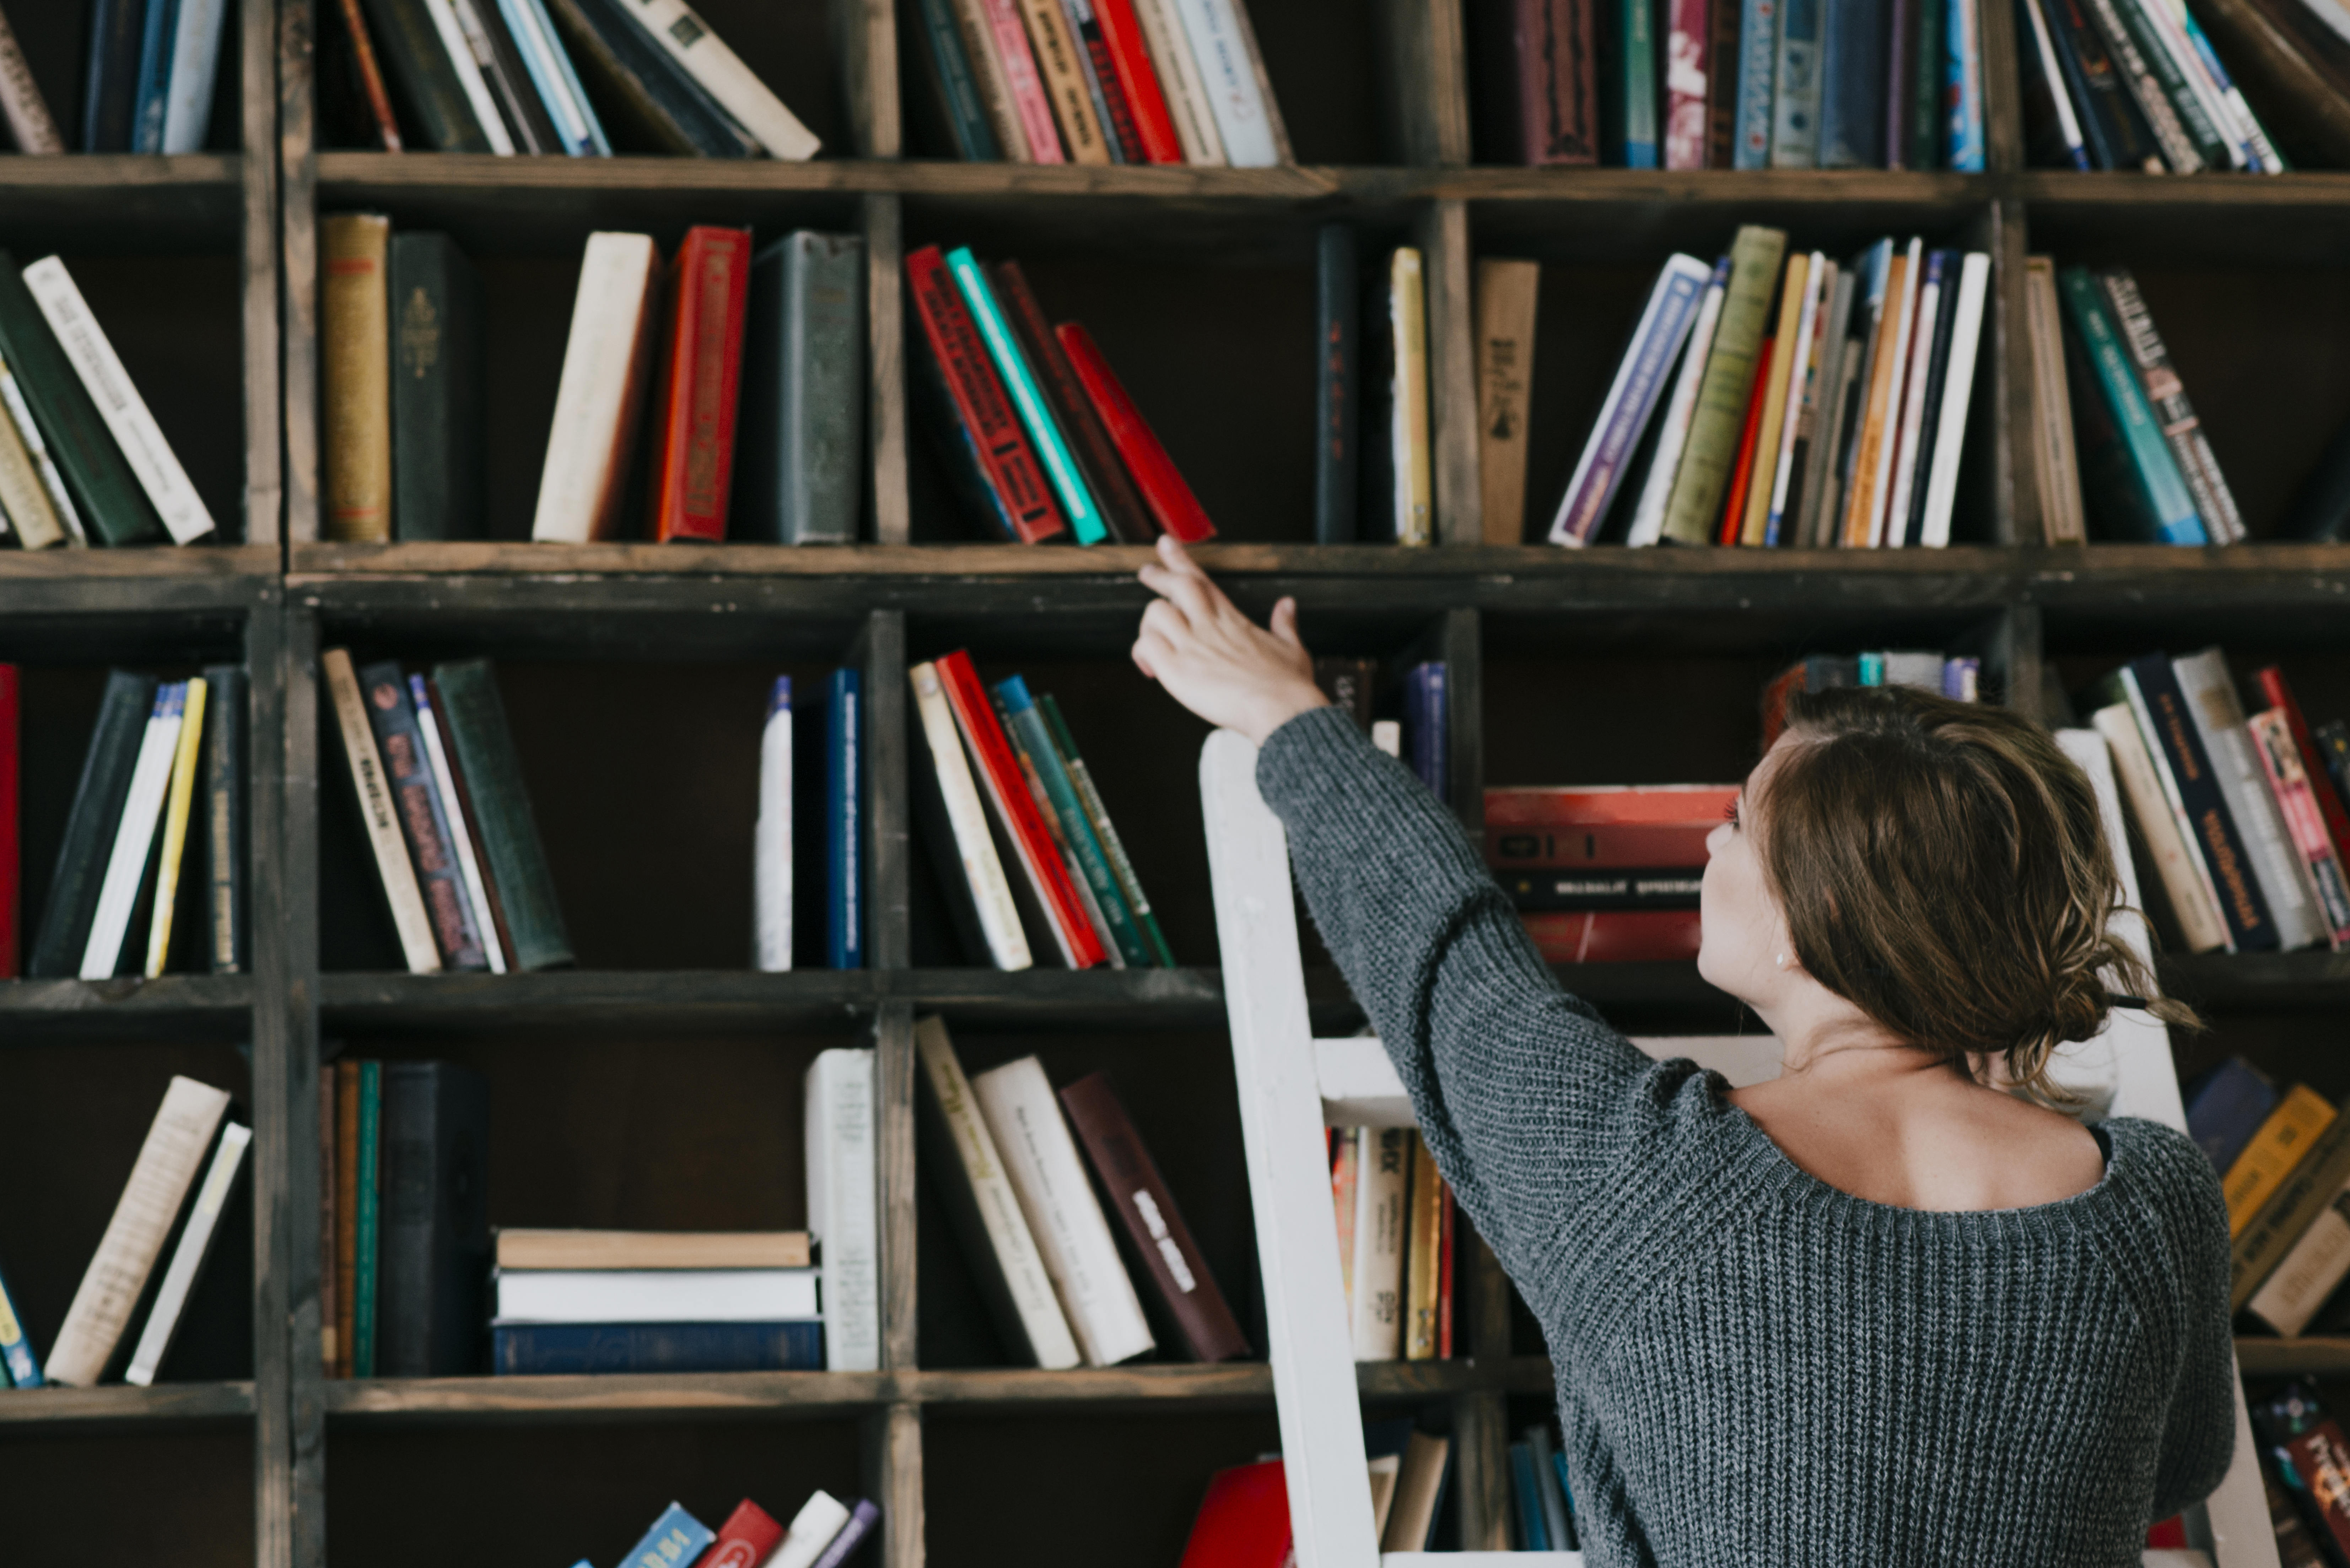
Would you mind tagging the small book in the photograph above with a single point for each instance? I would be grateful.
(1112, 108)
(189, 1258)
(956, 824)
(813, 1528)
(521, 1248)
(2128, 472)
(745, 1540)
(1418, 1487)
(134, 837)
(361, 77)
(417, 58)
(489, 773)
(569, 1349)
(469, 55)
(1240, 93)
(380, 809)
(998, 447)
(1596, 826)
(186, 759)
(803, 418)
(437, 476)
(770, 836)
(436, 1244)
(423, 815)
(1927, 332)
(1664, 325)
(1172, 504)
(26, 510)
(1004, 38)
(330, 1313)
(1507, 293)
(2308, 1273)
(2112, 124)
(676, 1537)
(699, 385)
(1724, 38)
(1963, 86)
(2150, 691)
(655, 94)
(843, 1199)
(605, 365)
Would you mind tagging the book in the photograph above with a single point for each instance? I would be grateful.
(1963, 85)
(1507, 293)
(1900, 48)
(1426, 727)
(1243, 1521)
(515, 1248)
(1847, 364)
(348, 1179)
(186, 758)
(1067, 823)
(2283, 1139)
(1525, 1495)
(1664, 325)
(984, 1208)
(654, 93)
(1790, 342)
(963, 107)
(355, 367)
(489, 775)
(1537, 79)
(1097, 456)
(998, 445)
(864, 1518)
(525, 1350)
(330, 1187)
(1040, 1159)
(676, 1537)
(649, 1295)
(1870, 465)
(843, 1194)
(1647, 526)
(2181, 431)
(1853, 83)
(1097, 815)
(1060, 68)
(2208, 692)
(2177, 147)
(1085, 518)
(803, 403)
(1626, 825)
(2279, 695)
(437, 476)
(16, 1351)
(469, 67)
(488, 928)
(1171, 504)
(1686, 38)
(957, 818)
(1338, 456)
(419, 63)
(434, 1241)
(2289, 786)
(188, 75)
(423, 818)
(1660, 887)
(2192, 904)
(2309, 1273)
(1951, 398)
(771, 838)
(1801, 415)
(133, 842)
(745, 1540)
(26, 508)
(111, 83)
(720, 73)
(367, 1223)
(1741, 473)
(1423, 1254)
(57, 404)
(2113, 125)
(363, 70)
(1796, 85)
(528, 122)
(1413, 501)
(2206, 120)
(577, 129)
(1709, 452)
(1929, 336)
(1179, 77)
(1383, 1174)
(2261, 1243)
(605, 364)
(844, 825)
(819, 1520)
(1239, 92)
(1758, 64)
(699, 384)
(189, 1257)
(22, 109)
(1113, 104)
(165, 1170)
(2054, 127)
(1636, 83)
(2151, 686)
(1003, 39)
(2055, 464)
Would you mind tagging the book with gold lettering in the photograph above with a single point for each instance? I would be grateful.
(436, 366)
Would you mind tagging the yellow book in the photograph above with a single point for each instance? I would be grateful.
(175, 828)
(1752, 529)
(1876, 415)
(354, 357)
(2274, 1152)
(1063, 73)
(1415, 503)
(1424, 1258)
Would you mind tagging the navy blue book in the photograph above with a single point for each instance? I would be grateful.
(1852, 84)
(2216, 837)
(556, 1349)
(2225, 1108)
(110, 93)
(1336, 379)
(162, 31)
(844, 825)
(1426, 732)
(953, 95)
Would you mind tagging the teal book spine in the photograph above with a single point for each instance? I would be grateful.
(366, 1238)
(1120, 865)
(1963, 77)
(1526, 1494)
(1636, 21)
(1757, 53)
(1029, 397)
(2163, 486)
(1041, 761)
(1796, 103)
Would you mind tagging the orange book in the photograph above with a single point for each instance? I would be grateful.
(1734, 515)
(1878, 413)
(700, 384)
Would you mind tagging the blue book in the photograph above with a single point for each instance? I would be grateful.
(1635, 22)
(1852, 84)
(154, 76)
(844, 799)
(864, 1518)
(676, 1539)
(2225, 1108)
(1029, 397)
(1567, 1488)
(1758, 55)
(1065, 818)
(15, 1350)
(956, 94)
(1524, 1494)
(1963, 73)
(2160, 489)
(1631, 401)
(1425, 728)
(559, 1349)
(367, 1234)
(551, 75)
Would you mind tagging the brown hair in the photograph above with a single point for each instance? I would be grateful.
(1944, 867)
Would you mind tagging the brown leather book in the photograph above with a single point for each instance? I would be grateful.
(347, 1208)
(355, 344)
(1130, 1179)
(1538, 64)
(1105, 470)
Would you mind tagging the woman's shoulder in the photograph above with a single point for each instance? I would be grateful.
(2159, 1166)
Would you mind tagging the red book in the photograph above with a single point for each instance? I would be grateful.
(2167, 1532)
(1245, 1522)
(1006, 459)
(744, 1541)
(1015, 808)
(1686, 41)
(1086, 18)
(2329, 801)
(1155, 475)
(1154, 128)
(1449, 1225)
(1620, 826)
(1130, 522)
(10, 850)
(1734, 517)
(693, 435)
(1615, 936)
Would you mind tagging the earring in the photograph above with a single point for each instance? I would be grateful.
(1782, 960)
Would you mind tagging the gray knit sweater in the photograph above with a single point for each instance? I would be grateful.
(1755, 1368)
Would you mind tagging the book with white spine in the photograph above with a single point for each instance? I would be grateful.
(1179, 77)
(2211, 693)
(2311, 1269)
(196, 67)
(1382, 1173)
(1040, 1156)
(656, 1295)
(1226, 53)
(1912, 408)
(770, 836)
(188, 1257)
(134, 837)
(605, 364)
(1906, 316)
(373, 793)
(2191, 901)
(550, 72)
(843, 1203)
(468, 69)
(181, 795)
(1818, 274)
(821, 1518)
(20, 415)
(983, 868)
(119, 403)
(143, 1217)
(461, 831)
(1957, 394)
(1665, 464)
(722, 75)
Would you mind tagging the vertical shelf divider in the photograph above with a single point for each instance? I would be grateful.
(885, 415)
(265, 486)
(893, 1473)
(2021, 515)
(297, 154)
(1453, 372)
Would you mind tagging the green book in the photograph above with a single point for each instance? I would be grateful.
(489, 783)
(366, 1235)
(2210, 143)
(111, 499)
(1636, 23)
(2152, 472)
(1026, 727)
(1925, 88)
(1712, 443)
(437, 478)
(1098, 814)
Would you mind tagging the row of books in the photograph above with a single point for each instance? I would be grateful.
(1243, 1521)
(2306, 1468)
(2134, 84)
(1732, 84)
(176, 1201)
(153, 848)
(147, 85)
(440, 793)
(1002, 1148)
(1037, 436)
(82, 461)
(825, 1533)
(1098, 81)
(507, 76)
(1396, 1235)
(2243, 817)
(2284, 1161)
(1374, 474)
(1542, 1505)
(1841, 426)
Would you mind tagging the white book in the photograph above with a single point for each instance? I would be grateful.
(1906, 308)
(2277, 865)
(843, 1203)
(1386, 735)
(373, 792)
(656, 1295)
(1185, 89)
(820, 1519)
(468, 69)
(151, 1203)
(2308, 1273)
(2191, 902)
(1247, 119)
(1648, 515)
(994, 1232)
(1382, 1173)
(770, 836)
(605, 365)
(108, 384)
(983, 868)
(195, 66)
(1957, 394)
(1913, 413)
(461, 828)
(2172, 37)
(2334, 14)
(1800, 366)
(134, 836)
(20, 414)
(1042, 1161)
(723, 76)
(551, 73)
(188, 1257)
(2067, 123)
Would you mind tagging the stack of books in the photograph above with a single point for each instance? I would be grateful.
(825, 1533)
(2135, 84)
(622, 1301)
(1096, 81)
(1541, 1510)
(1730, 84)
(1606, 874)
(2285, 1159)
(148, 83)
(545, 76)
(1396, 1225)
(1244, 1519)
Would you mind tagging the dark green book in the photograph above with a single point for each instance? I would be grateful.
(953, 99)
(801, 441)
(1925, 133)
(1121, 867)
(423, 76)
(466, 693)
(436, 389)
(367, 1236)
(1066, 819)
(655, 94)
(80, 874)
(2156, 491)
(113, 506)
(223, 827)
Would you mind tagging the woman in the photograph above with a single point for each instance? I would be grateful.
(1875, 1312)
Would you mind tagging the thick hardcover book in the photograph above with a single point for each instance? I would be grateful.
(1105, 473)
(11, 842)
(1240, 93)
(1064, 815)
(803, 414)
(1507, 295)
(812, 1528)
(2279, 695)
(190, 1255)
(1028, 396)
(844, 821)
(1631, 399)
(423, 818)
(2159, 488)
(92, 826)
(1061, 72)
(435, 1246)
(2215, 504)
(652, 91)
(842, 1203)
(110, 85)
(1337, 354)
(999, 444)
(2210, 691)
(2217, 836)
(101, 480)
(424, 75)
(605, 365)
(2315, 1167)
(954, 89)
(956, 823)
(367, 1223)
(437, 453)
(491, 772)
(1853, 81)
(2225, 1108)
(2112, 125)
(1098, 814)
(1146, 1209)
(1172, 502)
(1686, 38)
(1714, 428)
(2194, 908)
(1795, 95)
(2290, 784)
(1758, 62)
(1668, 888)
(22, 109)
(699, 385)
(1130, 56)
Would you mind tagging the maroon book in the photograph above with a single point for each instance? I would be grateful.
(1105, 473)
(2322, 1459)
(1538, 77)
(749, 1535)
(1131, 1180)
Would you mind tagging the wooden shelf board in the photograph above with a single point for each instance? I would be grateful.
(122, 203)
(602, 1000)
(2314, 1357)
(121, 1404)
(2259, 983)
(180, 1006)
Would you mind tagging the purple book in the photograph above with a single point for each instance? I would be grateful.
(864, 1518)
(1631, 401)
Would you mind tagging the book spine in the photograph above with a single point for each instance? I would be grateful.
(157, 36)
(845, 822)
(528, 117)
(989, 80)
(1922, 135)
(346, 1211)
(367, 1226)
(2201, 113)
(134, 837)
(1172, 504)
(654, 91)
(721, 74)
(411, 47)
(2122, 686)
(1025, 80)
(1852, 85)
(22, 107)
(1186, 88)
(1664, 464)
(1916, 379)
(998, 443)
(110, 85)
(1742, 478)
(405, 1200)
(329, 1222)
(1723, 53)
(423, 821)
(369, 70)
(745, 1540)
(2210, 694)
(1382, 1176)
(2182, 431)
(1710, 450)
(457, 50)
(1962, 70)
(811, 453)
(701, 384)
(456, 809)
(1428, 727)
(1631, 401)
(12, 847)
(2177, 148)
(1875, 395)
(1245, 117)
(572, 1348)
(1507, 296)
(2111, 122)
(1414, 499)
(771, 878)
(1345, 1155)
(2279, 695)
(1027, 397)
(999, 918)
(1802, 372)
(2053, 455)
(1636, 88)
(1115, 114)
(959, 102)
(2309, 1273)
(864, 1518)
(1422, 1253)
(1796, 98)
(2218, 837)
(1954, 382)
(355, 343)
(16, 1351)
(1685, 61)
(166, 1168)
(2279, 761)
(2191, 902)
(186, 754)
(80, 871)
(2321, 1458)
(1063, 78)
(1097, 460)
(1832, 388)
(1130, 56)
(533, 31)
(1900, 48)
(446, 1202)
(1338, 456)
(1057, 803)
(1129, 885)
(188, 1258)
(436, 363)
(1789, 347)
(2257, 1246)
(26, 507)
(492, 775)
(1757, 65)
(842, 1216)
(606, 363)
(675, 1537)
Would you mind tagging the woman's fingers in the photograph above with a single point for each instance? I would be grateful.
(1164, 619)
(1284, 623)
(1189, 587)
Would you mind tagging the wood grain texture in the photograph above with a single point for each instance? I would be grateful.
(886, 415)
(2002, 88)
(298, 263)
(265, 490)
(1452, 374)
(1429, 80)
(893, 1038)
(865, 41)
(27, 1410)
(2312, 1357)
(880, 654)
(2017, 515)
(893, 1472)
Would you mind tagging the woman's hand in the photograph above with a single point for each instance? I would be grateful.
(1216, 661)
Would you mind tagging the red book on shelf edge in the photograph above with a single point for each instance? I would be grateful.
(1155, 475)
(1121, 508)
(2329, 800)
(1620, 826)
(1007, 788)
(11, 849)
(701, 383)
(1153, 126)
(1733, 519)
(1615, 936)
(1245, 1522)
(1006, 458)
(1447, 1227)
(749, 1534)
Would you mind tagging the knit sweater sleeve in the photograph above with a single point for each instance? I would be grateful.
(2199, 1439)
(1522, 1092)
